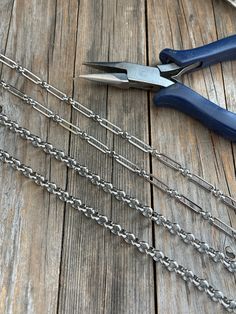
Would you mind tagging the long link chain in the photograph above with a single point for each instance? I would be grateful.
(120, 195)
(158, 256)
(206, 215)
(133, 140)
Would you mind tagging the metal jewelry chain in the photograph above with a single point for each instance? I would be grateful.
(168, 161)
(120, 195)
(121, 160)
(157, 255)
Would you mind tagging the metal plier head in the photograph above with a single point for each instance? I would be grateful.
(131, 75)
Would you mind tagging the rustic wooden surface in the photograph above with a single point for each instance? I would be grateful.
(51, 258)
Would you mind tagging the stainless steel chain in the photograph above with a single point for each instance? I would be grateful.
(158, 256)
(120, 195)
(133, 140)
(206, 215)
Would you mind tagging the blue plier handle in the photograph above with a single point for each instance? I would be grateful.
(164, 79)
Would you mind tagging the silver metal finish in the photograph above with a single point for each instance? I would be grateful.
(156, 182)
(158, 256)
(160, 220)
(174, 71)
(138, 76)
(229, 253)
(133, 140)
(134, 75)
(232, 2)
(185, 70)
(114, 79)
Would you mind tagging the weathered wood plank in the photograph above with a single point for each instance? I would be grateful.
(32, 220)
(111, 277)
(228, 27)
(186, 24)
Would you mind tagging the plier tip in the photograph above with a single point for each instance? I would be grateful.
(115, 79)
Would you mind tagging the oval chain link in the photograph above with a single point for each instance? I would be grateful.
(158, 256)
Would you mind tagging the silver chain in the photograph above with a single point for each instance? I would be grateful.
(120, 195)
(133, 140)
(158, 256)
(206, 215)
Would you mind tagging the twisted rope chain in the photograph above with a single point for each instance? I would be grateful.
(157, 255)
(227, 229)
(133, 140)
(120, 195)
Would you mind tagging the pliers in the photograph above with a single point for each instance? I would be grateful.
(163, 79)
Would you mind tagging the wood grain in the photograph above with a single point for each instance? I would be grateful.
(51, 258)
(191, 24)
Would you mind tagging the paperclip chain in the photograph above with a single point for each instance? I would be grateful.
(121, 160)
(120, 195)
(158, 256)
(133, 140)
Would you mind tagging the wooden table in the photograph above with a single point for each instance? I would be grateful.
(53, 259)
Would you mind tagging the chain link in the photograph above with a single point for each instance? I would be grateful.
(158, 256)
(133, 140)
(120, 195)
(122, 160)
